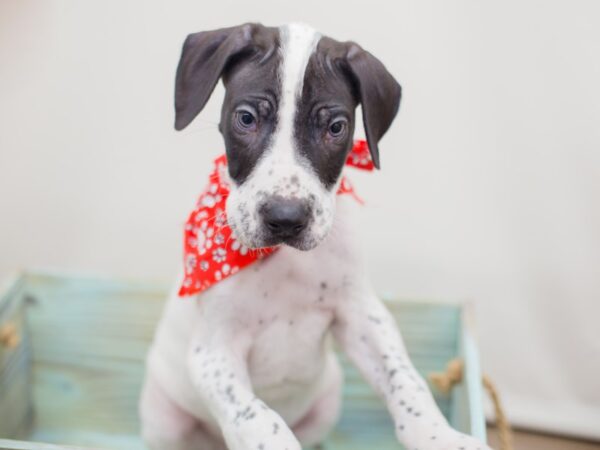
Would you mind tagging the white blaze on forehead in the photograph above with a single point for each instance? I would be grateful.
(298, 42)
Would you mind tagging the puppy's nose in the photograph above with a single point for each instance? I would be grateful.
(285, 217)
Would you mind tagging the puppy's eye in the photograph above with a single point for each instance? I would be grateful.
(337, 128)
(245, 120)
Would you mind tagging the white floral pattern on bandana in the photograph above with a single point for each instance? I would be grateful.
(211, 253)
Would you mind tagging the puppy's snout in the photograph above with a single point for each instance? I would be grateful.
(285, 218)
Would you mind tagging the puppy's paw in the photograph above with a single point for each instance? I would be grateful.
(277, 438)
(460, 441)
(444, 439)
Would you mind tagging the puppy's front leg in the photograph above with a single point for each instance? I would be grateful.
(368, 333)
(220, 377)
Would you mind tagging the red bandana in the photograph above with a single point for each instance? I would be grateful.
(211, 253)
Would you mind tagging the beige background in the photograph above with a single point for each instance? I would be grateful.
(489, 189)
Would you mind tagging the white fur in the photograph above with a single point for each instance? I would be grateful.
(248, 365)
(282, 170)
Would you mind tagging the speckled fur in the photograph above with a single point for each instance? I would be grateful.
(248, 364)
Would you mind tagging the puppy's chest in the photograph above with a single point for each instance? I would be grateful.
(288, 346)
(290, 319)
(292, 284)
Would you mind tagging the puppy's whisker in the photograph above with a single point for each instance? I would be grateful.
(228, 240)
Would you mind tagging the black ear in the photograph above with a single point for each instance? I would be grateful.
(379, 94)
(204, 57)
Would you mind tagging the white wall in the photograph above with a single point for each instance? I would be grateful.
(490, 183)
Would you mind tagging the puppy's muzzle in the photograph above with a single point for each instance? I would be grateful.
(285, 218)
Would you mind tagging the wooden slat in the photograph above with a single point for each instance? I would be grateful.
(90, 340)
(15, 364)
(7, 444)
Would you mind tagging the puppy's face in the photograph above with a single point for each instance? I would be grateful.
(287, 121)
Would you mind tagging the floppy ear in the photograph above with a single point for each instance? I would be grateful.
(379, 94)
(204, 57)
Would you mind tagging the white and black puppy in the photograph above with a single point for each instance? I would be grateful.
(248, 364)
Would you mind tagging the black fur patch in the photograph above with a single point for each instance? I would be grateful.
(251, 80)
(328, 95)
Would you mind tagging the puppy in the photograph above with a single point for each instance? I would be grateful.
(247, 365)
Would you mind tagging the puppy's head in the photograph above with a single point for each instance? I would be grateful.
(287, 121)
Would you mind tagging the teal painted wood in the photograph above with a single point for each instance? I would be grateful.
(473, 400)
(8, 444)
(15, 364)
(80, 365)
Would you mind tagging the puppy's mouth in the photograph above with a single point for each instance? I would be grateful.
(265, 239)
(300, 242)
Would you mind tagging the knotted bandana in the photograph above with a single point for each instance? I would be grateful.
(211, 252)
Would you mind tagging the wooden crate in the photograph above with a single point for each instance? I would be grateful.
(74, 378)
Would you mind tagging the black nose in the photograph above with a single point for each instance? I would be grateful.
(285, 217)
